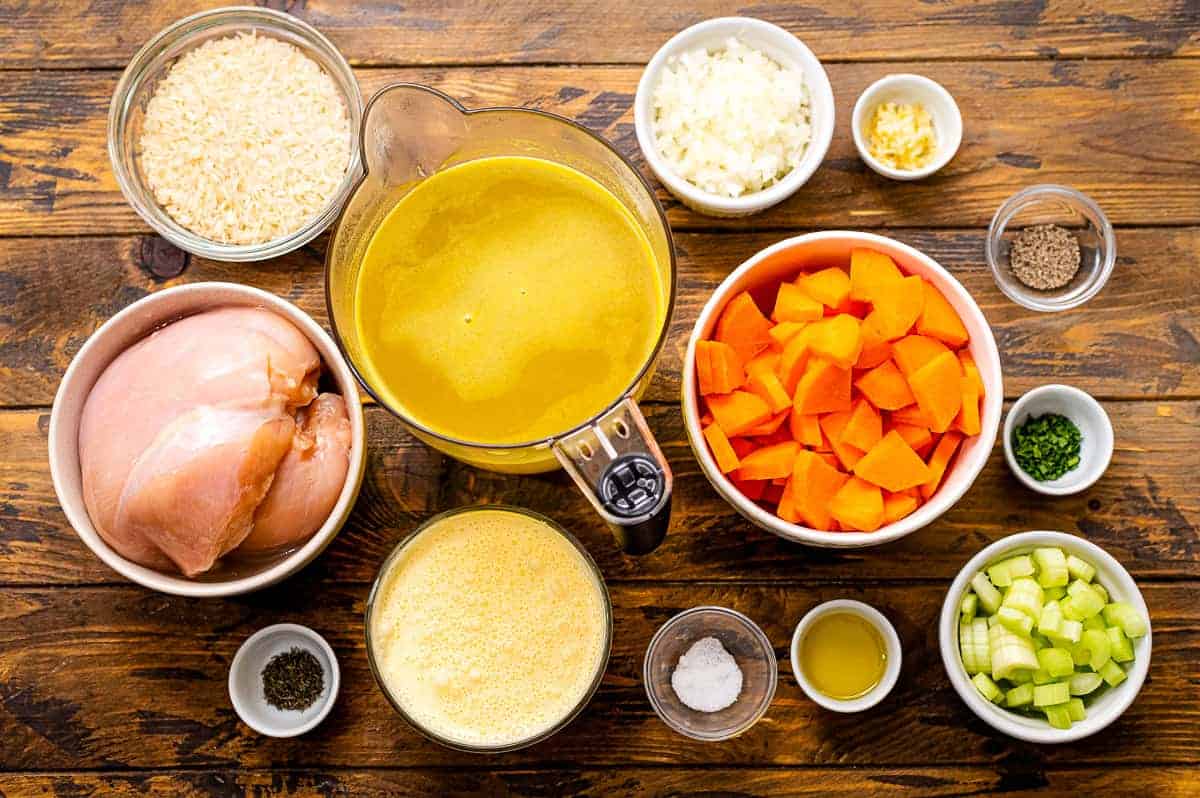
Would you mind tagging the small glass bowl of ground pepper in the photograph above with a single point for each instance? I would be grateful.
(1057, 440)
(1050, 248)
(283, 680)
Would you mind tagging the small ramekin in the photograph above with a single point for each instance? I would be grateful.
(245, 680)
(891, 643)
(1095, 450)
(779, 45)
(136, 86)
(906, 88)
(1066, 207)
(1102, 711)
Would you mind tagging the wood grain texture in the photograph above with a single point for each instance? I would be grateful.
(580, 31)
(1144, 511)
(1013, 780)
(1137, 338)
(119, 677)
(1125, 132)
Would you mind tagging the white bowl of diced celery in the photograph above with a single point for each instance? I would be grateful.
(1045, 636)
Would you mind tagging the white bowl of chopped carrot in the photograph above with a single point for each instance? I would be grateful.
(841, 389)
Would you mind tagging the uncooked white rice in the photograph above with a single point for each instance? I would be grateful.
(245, 140)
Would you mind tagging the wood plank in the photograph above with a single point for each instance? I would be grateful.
(1138, 338)
(119, 677)
(1014, 780)
(1123, 132)
(1145, 511)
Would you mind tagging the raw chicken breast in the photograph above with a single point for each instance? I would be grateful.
(309, 478)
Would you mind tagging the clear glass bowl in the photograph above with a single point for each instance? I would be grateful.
(742, 638)
(127, 113)
(1066, 207)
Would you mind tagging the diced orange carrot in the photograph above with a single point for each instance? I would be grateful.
(872, 275)
(706, 418)
(914, 351)
(824, 388)
(864, 428)
(743, 326)
(886, 387)
(722, 452)
(794, 360)
(785, 331)
(834, 426)
(971, 370)
(901, 306)
(767, 360)
(939, 319)
(773, 494)
(898, 505)
(858, 505)
(742, 447)
(939, 461)
(875, 346)
(967, 420)
(752, 490)
(770, 426)
(917, 437)
(792, 304)
(831, 460)
(830, 287)
(766, 384)
(768, 462)
(787, 504)
(738, 411)
(911, 414)
(805, 429)
(814, 483)
(724, 372)
(837, 339)
(937, 387)
(893, 465)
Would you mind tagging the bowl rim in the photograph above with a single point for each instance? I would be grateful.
(179, 585)
(335, 680)
(999, 225)
(820, 101)
(891, 641)
(759, 636)
(140, 197)
(1110, 571)
(941, 501)
(945, 153)
(1076, 397)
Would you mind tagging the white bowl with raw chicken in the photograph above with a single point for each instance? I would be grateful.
(208, 440)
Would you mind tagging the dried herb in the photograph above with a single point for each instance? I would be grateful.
(1047, 446)
(293, 680)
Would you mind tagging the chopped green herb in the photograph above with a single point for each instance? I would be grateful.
(1047, 446)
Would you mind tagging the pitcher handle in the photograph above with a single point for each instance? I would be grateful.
(616, 462)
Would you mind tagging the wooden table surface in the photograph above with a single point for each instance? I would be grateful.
(107, 688)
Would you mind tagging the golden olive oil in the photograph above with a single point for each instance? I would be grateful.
(843, 655)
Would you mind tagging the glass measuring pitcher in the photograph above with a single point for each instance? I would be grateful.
(411, 133)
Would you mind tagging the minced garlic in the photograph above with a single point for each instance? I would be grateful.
(902, 136)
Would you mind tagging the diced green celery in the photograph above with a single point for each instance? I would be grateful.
(1040, 642)
(1015, 621)
(1050, 621)
(987, 688)
(992, 620)
(1046, 695)
(1009, 652)
(1098, 648)
(969, 603)
(1112, 673)
(1080, 569)
(1081, 602)
(1084, 682)
(981, 645)
(1052, 567)
(989, 596)
(998, 574)
(1099, 588)
(1120, 649)
(1071, 631)
(1055, 593)
(1021, 676)
(1076, 710)
(1019, 696)
(1025, 595)
(1095, 622)
(1058, 716)
(1056, 661)
(1121, 614)
(966, 649)
(1041, 676)
(1021, 565)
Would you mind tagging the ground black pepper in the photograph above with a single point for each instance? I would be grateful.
(1044, 256)
(293, 680)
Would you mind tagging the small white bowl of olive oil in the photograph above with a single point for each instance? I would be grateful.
(845, 655)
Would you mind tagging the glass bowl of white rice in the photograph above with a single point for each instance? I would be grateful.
(234, 133)
(733, 115)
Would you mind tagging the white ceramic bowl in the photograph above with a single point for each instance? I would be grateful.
(1109, 705)
(785, 49)
(246, 688)
(905, 88)
(118, 334)
(1095, 450)
(784, 260)
(887, 633)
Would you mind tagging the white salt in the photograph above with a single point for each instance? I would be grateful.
(707, 678)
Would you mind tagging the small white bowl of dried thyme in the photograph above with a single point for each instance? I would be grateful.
(1050, 248)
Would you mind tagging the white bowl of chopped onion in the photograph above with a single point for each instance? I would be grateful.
(733, 115)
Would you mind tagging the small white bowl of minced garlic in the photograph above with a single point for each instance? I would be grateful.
(906, 127)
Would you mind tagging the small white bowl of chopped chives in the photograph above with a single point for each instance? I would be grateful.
(1057, 440)
(1046, 637)
(906, 127)
(733, 115)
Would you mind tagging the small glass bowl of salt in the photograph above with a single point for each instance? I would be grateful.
(710, 673)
